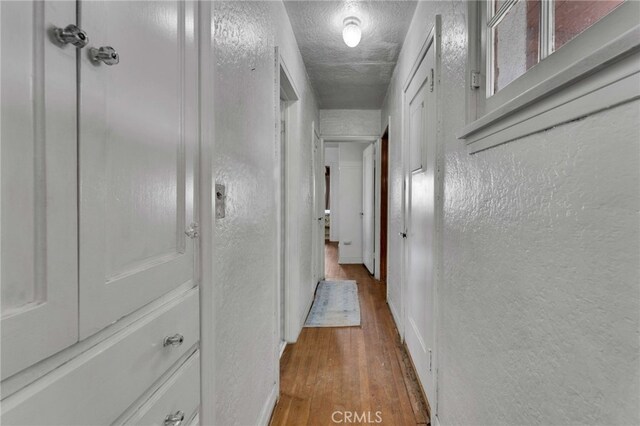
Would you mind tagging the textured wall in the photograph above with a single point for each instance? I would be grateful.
(539, 294)
(349, 122)
(246, 34)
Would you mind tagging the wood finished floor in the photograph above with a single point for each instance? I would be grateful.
(355, 369)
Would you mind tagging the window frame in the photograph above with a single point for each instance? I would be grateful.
(597, 55)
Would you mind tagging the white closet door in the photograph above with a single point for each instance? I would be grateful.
(39, 220)
(137, 149)
(419, 299)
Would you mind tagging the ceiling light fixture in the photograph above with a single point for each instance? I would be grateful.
(351, 33)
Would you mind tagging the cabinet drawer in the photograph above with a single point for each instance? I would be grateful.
(101, 383)
(180, 393)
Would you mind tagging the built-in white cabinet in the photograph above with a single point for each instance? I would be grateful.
(99, 238)
(138, 123)
(39, 269)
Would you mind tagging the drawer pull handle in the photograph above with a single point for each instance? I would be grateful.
(174, 419)
(175, 340)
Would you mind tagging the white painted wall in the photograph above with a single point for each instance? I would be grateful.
(538, 298)
(246, 326)
(349, 122)
(332, 160)
(350, 246)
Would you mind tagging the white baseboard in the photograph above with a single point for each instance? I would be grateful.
(308, 307)
(305, 312)
(283, 345)
(349, 260)
(269, 405)
(396, 317)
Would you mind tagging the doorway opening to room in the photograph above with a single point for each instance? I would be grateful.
(351, 214)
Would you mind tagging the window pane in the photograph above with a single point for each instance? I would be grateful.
(516, 42)
(574, 16)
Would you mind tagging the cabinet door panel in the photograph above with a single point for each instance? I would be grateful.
(137, 139)
(39, 290)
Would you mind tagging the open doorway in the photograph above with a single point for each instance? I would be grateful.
(345, 159)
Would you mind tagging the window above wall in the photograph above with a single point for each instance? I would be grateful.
(530, 61)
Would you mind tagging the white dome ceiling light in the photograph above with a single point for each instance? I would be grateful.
(351, 33)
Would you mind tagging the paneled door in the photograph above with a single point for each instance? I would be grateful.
(39, 216)
(138, 123)
(420, 210)
(368, 207)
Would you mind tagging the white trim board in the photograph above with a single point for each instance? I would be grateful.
(350, 260)
(582, 85)
(618, 84)
(268, 407)
(349, 138)
(305, 312)
(206, 213)
(396, 317)
(290, 208)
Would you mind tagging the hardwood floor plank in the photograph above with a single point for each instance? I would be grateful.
(331, 373)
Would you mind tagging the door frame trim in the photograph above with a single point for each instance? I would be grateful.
(287, 87)
(206, 212)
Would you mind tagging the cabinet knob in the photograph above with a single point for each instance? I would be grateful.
(175, 340)
(105, 54)
(174, 419)
(71, 34)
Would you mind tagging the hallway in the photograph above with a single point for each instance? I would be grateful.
(364, 370)
(171, 173)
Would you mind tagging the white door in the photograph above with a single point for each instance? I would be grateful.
(39, 288)
(368, 208)
(318, 206)
(138, 133)
(420, 208)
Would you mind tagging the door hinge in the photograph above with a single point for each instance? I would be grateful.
(475, 80)
(192, 230)
(432, 80)
(430, 360)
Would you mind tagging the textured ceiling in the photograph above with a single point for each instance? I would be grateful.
(344, 77)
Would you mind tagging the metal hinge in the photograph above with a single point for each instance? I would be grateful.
(430, 359)
(475, 79)
(192, 230)
(432, 81)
